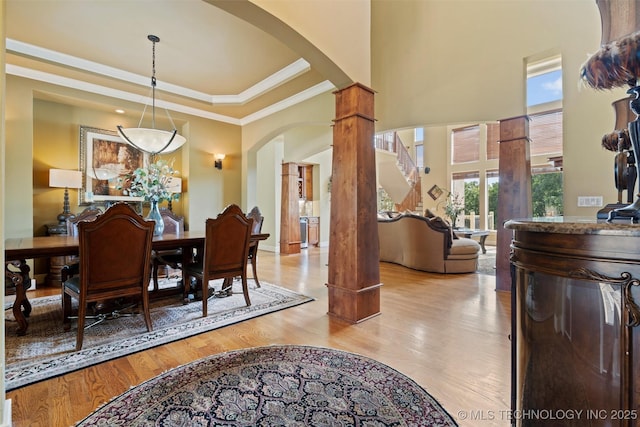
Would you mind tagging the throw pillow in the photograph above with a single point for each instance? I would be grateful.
(441, 224)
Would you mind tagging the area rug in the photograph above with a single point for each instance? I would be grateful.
(276, 386)
(487, 262)
(47, 351)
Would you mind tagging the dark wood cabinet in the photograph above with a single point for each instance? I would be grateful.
(575, 323)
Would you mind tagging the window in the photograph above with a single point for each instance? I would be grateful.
(418, 134)
(465, 144)
(544, 82)
(419, 156)
(545, 131)
(493, 138)
(476, 176)
(544, 106)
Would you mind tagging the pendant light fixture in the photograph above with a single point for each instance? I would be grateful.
(151, 140)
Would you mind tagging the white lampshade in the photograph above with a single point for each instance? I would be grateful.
(174, 186)
(62, 178)
(152, 140)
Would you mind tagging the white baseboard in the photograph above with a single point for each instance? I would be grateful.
(6, 419)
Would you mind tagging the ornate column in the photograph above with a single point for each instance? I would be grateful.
(289, 215)
(354, 272)
(514, 192)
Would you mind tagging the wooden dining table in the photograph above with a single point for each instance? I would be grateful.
(18, 250)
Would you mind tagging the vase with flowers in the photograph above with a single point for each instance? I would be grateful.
(453, 206)
(152, 183)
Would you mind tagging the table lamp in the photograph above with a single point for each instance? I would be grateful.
(61, 178)
(174, 186)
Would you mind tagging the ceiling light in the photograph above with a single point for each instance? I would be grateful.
(152, 140)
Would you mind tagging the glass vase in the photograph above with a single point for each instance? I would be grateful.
(154, 214)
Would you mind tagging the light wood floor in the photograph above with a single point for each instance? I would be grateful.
(449, 333)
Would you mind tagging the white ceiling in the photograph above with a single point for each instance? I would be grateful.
(208, 62)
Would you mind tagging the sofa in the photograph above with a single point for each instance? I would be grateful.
(426, 244)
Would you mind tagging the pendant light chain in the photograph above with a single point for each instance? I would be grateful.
(151, 140)
(153, 39)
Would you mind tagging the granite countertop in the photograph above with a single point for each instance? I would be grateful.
(573, 225)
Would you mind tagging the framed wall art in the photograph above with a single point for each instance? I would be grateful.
(106, 161)
(435, 192)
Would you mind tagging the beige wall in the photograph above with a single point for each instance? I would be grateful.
(340, 29)
(292, 128)
(438, 63)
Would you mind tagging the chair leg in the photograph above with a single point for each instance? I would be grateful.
(66, 311)
(204, 284)
(147, 313)
(186, 286)
(154, 274)
(82, 312)
(245, 290)
(253, 266)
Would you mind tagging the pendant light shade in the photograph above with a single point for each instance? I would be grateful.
(152, 140)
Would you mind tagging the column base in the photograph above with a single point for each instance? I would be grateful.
(354, 305)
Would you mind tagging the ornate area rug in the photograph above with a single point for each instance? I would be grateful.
(276, 386)
(47, 351)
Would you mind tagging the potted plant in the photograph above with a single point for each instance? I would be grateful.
(152, 183)
(453, 207)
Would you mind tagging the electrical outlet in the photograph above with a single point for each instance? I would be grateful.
(589, 201)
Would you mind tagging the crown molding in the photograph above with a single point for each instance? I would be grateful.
(145, 100)
(271, 82)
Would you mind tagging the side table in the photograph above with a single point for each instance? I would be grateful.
(469, 233)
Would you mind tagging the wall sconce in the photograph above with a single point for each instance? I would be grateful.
(218, 160)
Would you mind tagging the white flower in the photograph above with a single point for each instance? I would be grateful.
(151, 182)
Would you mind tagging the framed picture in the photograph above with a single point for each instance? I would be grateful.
(435, 192)
(106, 161)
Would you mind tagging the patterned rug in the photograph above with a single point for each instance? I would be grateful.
(276, 386)
(487, 262)
(47, 351)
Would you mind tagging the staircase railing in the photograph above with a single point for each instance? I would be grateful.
(405, 162)
(390, 141)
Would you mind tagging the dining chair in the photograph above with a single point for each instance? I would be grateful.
(225, 254)
(173, 224)
(258, 219)
(89, 214)
(115, 259)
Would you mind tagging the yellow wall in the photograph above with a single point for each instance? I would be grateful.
(44, 134)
